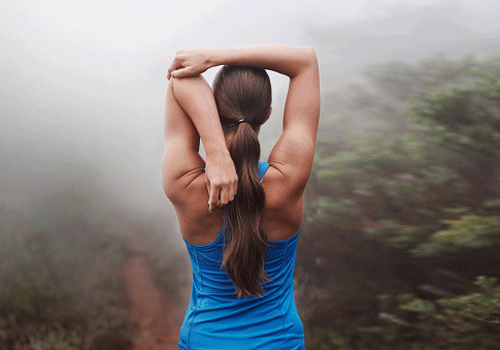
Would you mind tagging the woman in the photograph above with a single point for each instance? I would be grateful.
(240, 218)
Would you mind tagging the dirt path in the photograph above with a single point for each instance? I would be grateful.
(154, 326)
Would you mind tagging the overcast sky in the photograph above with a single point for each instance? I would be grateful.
(82, 84)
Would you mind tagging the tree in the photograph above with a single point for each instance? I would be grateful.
(406, 203)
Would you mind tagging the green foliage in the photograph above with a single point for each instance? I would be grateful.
(378, 101)
(395, 178)
(33, 282)
(327, 209)
(469, 232)
(403, 80)
(395, 234)
(464, 322)
(328, 340)
(36, 334)
(492, 203)
(405, 185)
(463, 118)
(54, 296)
(54, 340)
(469, 321)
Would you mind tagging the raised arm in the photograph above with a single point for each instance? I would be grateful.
(293, 154)
(287, 60)
(191, 114)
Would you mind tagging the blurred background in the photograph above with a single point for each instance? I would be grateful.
(401, 238)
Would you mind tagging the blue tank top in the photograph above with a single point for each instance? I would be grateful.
(217, 319)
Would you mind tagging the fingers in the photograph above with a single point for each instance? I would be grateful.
(224, 196)
(178, 68)
(227, 193)
(233, 188)
(180, 73)
(220, 194)
(175, 65)
(188, 63)
(213, 198)
(231, 194)
(207, 183)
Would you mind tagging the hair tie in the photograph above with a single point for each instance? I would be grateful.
(243, 120)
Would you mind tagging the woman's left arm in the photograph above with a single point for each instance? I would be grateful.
(191, 114)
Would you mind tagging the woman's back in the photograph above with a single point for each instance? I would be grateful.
(217, 319)
(282, 214)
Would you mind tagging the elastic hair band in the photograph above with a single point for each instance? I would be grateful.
(243, 120)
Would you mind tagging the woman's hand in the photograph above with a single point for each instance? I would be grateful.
(189, 63)
(221, 179)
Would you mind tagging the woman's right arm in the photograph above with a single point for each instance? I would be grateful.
(293, 154)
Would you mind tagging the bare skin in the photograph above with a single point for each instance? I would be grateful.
(191, 113)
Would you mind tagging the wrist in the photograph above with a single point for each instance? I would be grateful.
(216, 150)
(213, 58)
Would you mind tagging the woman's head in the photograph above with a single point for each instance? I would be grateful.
(243, 93)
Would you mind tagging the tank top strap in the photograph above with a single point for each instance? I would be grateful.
(263, 166)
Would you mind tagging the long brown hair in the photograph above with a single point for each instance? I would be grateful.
(243, 98)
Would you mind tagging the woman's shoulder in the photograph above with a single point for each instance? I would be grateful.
(281, 187)
(284, 205)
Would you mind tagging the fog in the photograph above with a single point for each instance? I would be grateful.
(82, 84)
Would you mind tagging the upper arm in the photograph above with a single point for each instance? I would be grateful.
(182, 163)
(293, 154)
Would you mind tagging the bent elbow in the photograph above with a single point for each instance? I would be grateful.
(168, 189)
(169, 185)
(171, 190)
(310, 56)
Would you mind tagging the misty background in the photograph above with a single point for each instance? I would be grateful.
(82, 98)
(83, 84)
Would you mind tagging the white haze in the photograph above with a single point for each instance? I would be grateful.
(82, 84)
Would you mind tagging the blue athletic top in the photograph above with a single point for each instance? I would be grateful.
(217, 319)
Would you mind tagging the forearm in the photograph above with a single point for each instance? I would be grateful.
(196, 99)
(288, 60)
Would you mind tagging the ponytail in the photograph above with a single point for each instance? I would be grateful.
(243, 98)
(245, 240)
